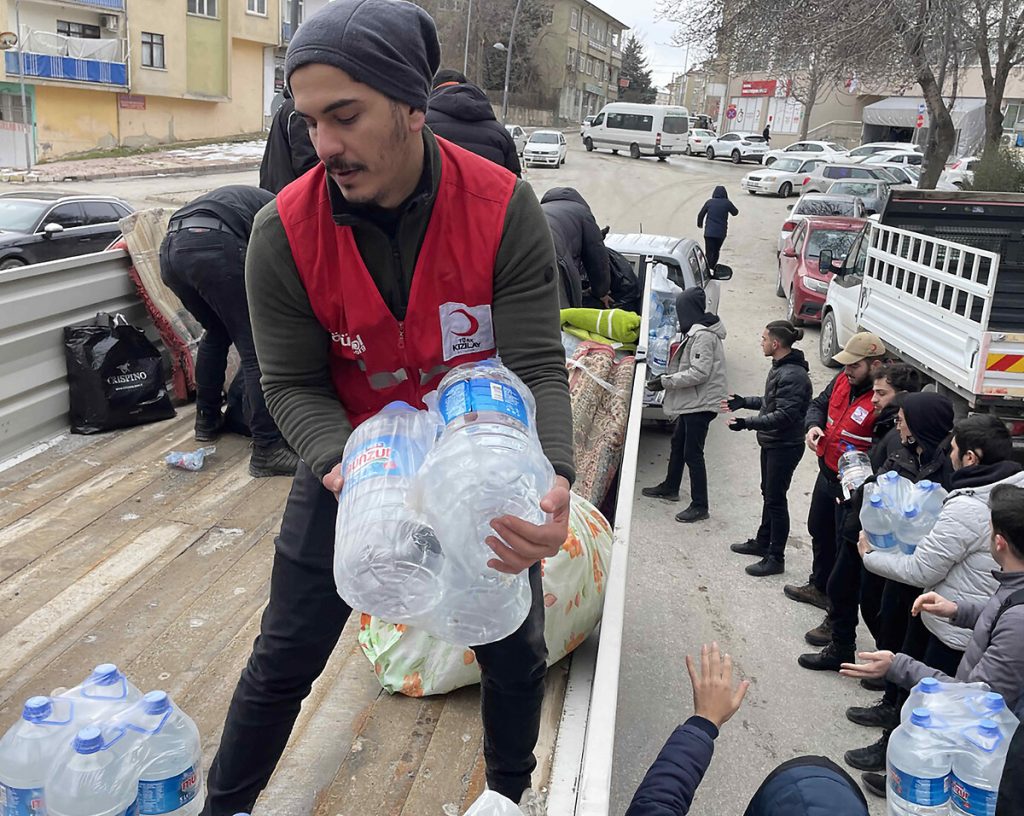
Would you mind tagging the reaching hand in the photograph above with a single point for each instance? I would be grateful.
(813, 437)
(875, 665)
(864, 545)
(934, 604)
(737, 424)
(734, 403)
(655, 384)
(713, 696)
(334, 481)
(523, 544)
(608, 301)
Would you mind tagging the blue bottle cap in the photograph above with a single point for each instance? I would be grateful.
(156, 702)
(37, 709)
(926, 485)
(929, 685)
(876, 501)
(105, 674)
(89, 740)
(989, 728)
(994, 701)
(910, 512)
(399, 405)
(921, 716)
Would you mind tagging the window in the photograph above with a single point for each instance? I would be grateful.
(838, 241)
(574, 22)
(583, 62)
(204, 8)
(631, 121)
(100, 212)
(813, 148)
(598, 121)
(590, 66)
(586, 24)
(83, 30)
(676, 124)
(570, 59)
(596, 33)
(615, 40)
(729, 137)
(699, 266)
(256, 7)
(798, 237)
(67, 215)
(153, 50)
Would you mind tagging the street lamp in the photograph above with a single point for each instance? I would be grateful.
(508, 59)
(465, 55)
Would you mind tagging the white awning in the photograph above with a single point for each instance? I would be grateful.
(901, 111)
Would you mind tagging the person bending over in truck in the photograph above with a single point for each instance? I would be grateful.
(841, 416)
(394, 260)
(954, 558)
(995, 652)
(798, 787)
(202, 260)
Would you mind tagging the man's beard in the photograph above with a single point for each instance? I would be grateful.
(388, 152)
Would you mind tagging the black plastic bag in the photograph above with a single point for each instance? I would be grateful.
(116, 376)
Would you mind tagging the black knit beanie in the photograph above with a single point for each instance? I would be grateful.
(390, 45)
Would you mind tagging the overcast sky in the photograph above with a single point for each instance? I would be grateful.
(664, 58)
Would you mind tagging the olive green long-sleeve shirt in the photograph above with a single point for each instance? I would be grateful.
(293, 346)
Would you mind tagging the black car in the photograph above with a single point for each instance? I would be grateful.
(46, 226)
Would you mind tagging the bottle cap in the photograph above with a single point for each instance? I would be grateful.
(989, 728)
(994, 701)
(89, 740)
(921, 716)
(876, 501)
(910, 512)
(37, 709)
(926, 485)
(929, 685)
(105, 674)
(156, 702)
(399, 405)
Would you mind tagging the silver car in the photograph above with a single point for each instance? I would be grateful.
(872, 192)
(783, 178)
(820, 180)
(518, 136)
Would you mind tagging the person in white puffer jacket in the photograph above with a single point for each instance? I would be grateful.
(954, 558)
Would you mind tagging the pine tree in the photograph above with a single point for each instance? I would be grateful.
(636, 70)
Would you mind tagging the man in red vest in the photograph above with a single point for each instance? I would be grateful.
(397, 258)
(840, 417)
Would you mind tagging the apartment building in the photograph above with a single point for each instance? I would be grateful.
(105, 73)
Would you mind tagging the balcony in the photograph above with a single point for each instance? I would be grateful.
(107, 5)
(70, 59)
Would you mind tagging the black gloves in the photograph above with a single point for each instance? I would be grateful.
(734, 402)
(738, 425)
(655, 384)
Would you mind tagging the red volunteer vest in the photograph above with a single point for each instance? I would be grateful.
(848, 424)
(375, 358)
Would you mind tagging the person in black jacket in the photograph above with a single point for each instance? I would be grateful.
(460, 112)
(289, 152)
(714, 218)
(202, 260)
(579, 247)
(780, 433)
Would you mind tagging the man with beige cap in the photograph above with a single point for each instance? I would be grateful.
(842, 415)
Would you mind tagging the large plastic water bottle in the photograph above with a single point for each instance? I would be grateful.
(978, 769)
(940, 699)
(660, 351)
(27, 750)
(891, 487)
(929, 496)
(94, 781)
(854, 469)
(387, 560)
(918, 762)
(911, 526)
(170, 759)
(487, 464)
(103, 694)
(991, 706)
(876, 522)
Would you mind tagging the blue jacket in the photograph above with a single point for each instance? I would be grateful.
(671, 782)
(714, 215)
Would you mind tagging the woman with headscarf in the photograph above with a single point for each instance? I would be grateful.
(695, 386)
(714, 218)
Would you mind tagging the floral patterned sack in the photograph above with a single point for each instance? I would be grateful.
(410, 661)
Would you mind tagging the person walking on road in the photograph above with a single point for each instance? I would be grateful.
(780, 433)
(766, 134)
(202, 260)
(399, 257)
(695, 386)
(583, 263)
(714, 218)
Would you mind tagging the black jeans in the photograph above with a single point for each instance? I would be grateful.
(824, 521)
(205, 268)
(299, 630)
(712, 249)
(894, 621)
(777, 468)
(922, 645)
(844, 587)
(688, 452)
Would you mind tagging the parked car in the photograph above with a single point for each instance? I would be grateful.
(872, 192)
(823, 177)
(821, 205)
(960, 172)
(782, 178)
(909, 174)
(865, 150)
(738, 146)
(643, 130)
(895, 157)
(518, 136)
(839, 314)
(805, 150)
(698, 140)
(587, 121)
(546, 147)
(701, 121)
(800, 280)
(46, 226)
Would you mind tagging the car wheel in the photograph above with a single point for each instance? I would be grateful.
(615, 151)
(711, 153)
(791, 308)
(752, 192)
(958, 184)
(634, 151)
(828, 344)
(736, 157)
(785, 190)
(688, 151)
(779, 291)
(769, 161)
(588, 143)
(11, 263)
(662, 158)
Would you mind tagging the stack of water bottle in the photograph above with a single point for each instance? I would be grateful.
(947, 756)
(421, 490)
(101, 749)
(898, 513)
(661, 329)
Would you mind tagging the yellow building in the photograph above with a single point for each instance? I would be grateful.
(106, 73)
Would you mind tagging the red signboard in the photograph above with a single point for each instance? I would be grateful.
(758, 87)
(131, 102)
(623, 82)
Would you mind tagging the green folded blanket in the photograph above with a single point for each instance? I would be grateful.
(615, 324)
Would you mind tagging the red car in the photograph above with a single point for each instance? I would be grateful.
(800, 281)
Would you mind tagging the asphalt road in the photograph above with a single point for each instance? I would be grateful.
(686, 588)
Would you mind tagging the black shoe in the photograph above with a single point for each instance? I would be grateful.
(766, 566)
(272, 460)
(829, 659)
(749, 547)
(870, 758)
(808, 594)
(820, 635)
(209, 425)
(693, 513)
(880, 715)
(871, 684)
(661, 491)
(874, 783)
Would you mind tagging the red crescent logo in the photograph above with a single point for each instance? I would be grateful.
(474, 324)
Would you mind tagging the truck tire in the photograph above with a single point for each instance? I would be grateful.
(634, 151)
(828, 344)
(588, 143)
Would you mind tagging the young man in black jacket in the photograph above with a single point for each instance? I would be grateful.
(289, 152)
(780, 433)
(579, 246)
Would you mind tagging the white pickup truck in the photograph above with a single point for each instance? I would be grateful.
(940, 278)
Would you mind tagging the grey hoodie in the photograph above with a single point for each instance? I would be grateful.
(695, 379)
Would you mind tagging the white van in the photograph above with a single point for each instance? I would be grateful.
(643, 130)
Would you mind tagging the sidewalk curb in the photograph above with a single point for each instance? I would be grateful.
(174, 170)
